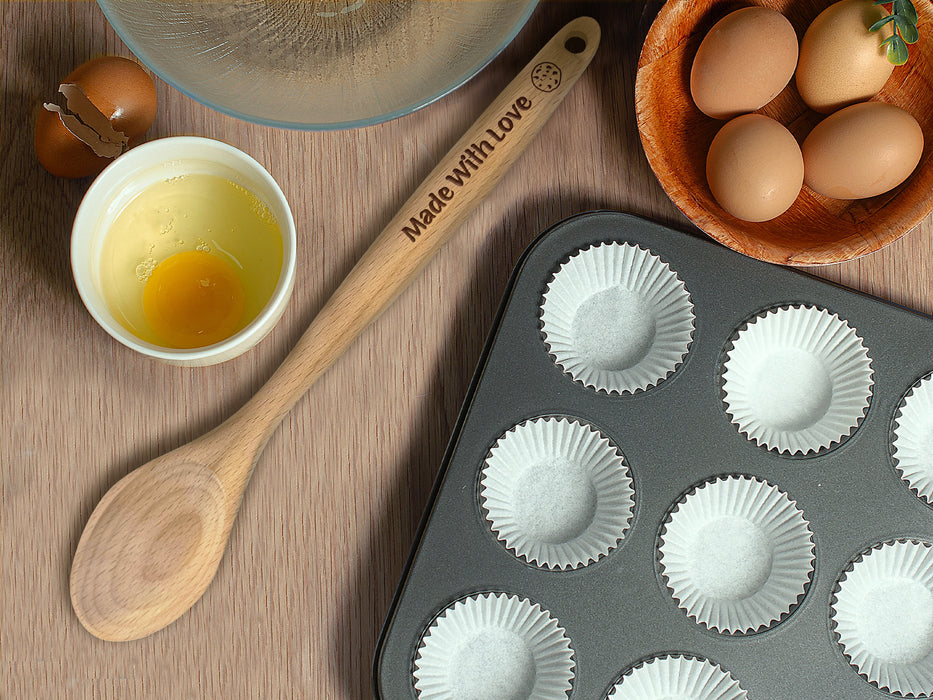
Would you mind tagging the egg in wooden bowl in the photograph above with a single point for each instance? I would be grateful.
(816, 229)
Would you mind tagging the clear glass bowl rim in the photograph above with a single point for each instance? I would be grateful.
(143, 55)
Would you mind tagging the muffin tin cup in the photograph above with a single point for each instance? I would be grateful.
(737, 554)
(616, 318)
(883, 616)
(676, 436)
(557, 493)
(494, 645)
(677, 676)
(913, 438)
(797, 379)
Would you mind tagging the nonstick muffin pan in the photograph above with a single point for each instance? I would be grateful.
(678, 472)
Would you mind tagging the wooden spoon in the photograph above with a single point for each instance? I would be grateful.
(153, 543)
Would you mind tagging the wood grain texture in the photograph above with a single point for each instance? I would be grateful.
(153, 543)
(816, 229)
(325, 528)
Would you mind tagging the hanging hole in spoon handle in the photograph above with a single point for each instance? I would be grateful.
(576, 43)
(153, 543)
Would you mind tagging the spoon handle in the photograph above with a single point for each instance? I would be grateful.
(153, 543)
(427, 220)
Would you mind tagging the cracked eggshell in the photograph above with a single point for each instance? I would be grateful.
(121, 89)
(123, 94)
(61, 152)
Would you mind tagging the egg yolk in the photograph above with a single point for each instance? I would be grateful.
(193, 299)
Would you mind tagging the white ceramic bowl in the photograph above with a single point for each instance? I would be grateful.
(140, 168)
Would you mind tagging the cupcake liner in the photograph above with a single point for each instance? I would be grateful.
(677, 676)
(913, 438)
(492, 646)
(737, 554)
(617, 318)
(797, 379)
(557, 493)
(883, 617)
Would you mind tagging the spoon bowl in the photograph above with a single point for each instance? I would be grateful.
(163, 526)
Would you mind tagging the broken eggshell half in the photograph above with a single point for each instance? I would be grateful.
(110, 102)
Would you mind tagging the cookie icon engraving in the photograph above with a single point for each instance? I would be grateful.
(545, 76)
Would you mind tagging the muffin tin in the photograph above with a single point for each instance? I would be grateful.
(657, 533)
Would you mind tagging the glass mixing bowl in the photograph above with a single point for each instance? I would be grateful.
(316, 64)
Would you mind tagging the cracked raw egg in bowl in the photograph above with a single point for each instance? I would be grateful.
(183, 249)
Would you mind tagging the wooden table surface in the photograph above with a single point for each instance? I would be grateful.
(326, 525)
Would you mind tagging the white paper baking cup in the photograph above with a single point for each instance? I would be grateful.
(913, 438)
(493, 646)
(883, 616)
(557, 492)
(679, 677)
(797, 379)
(617, 318)
(737, 554)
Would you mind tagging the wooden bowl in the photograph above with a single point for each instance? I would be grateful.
(816, 230)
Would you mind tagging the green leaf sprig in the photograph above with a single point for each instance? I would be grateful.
(904, 16)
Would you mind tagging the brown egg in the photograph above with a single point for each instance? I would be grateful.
(862, 150)
(754, 168)
(841, 62)
(110, 103)
(743, 63)
(61, 152)
(121, 89)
